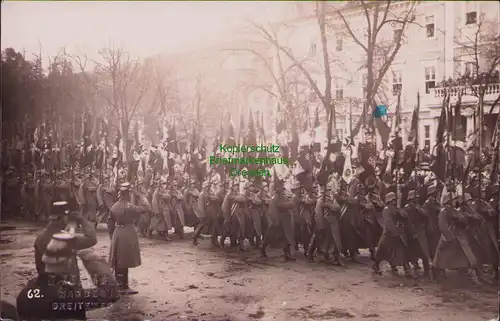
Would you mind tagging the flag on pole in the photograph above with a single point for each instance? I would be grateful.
(347, 173)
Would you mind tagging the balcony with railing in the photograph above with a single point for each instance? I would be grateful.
(469, 93)
(492, 90)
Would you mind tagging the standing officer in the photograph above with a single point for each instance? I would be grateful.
(124, 252)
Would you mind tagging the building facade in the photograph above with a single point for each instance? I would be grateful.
(439, 45)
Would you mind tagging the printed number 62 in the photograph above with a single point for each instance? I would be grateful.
(34, 294)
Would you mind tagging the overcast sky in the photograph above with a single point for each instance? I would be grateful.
(145, 28)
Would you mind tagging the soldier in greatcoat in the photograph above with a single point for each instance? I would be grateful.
(178, 207)
(415, 227)
(200, 209)
(432, 207)
(124, 252)
(453, 250)
(486, 233)
(392, 246)
(227, 205)
(280, 219)
(326, 235)
(161, 219)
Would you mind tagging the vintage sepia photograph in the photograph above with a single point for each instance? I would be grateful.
(250, 160)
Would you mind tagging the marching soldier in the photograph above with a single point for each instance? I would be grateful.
(416, 226)
(453, 250)
(178, 206)
(201, 211)
(327, 228)
(227, 205)
(215, 198)
(124, 252)
(280, 219)
(432, 207)
(161, 220)
(392, 246)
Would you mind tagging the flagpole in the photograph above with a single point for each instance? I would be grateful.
(350, 118)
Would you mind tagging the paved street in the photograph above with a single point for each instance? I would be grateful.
(179, 281)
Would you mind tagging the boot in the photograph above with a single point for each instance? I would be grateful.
(197, 233)
(407, 270)
(376, 268)
(427, 268)
(372, 254)
(222, 240)
(337, 260)
(263, 249)
(126, 289)
(241, 244)
(394, 271)
(288, 254)
(311, 248)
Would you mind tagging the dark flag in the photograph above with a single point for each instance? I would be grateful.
(411, 149)
(457, 148)
(172, 140)
(101, 152)
(316, 118)
(293, 145)
(251, 136)
(439, 162)
(496, 152)
(86, 142)
(251, 140)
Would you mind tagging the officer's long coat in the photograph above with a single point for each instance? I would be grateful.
(124, 251)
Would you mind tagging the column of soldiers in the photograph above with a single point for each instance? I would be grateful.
(420, 223)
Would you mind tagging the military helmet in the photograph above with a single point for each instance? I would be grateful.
(390, 197)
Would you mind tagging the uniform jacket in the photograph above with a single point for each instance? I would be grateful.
(82, 241)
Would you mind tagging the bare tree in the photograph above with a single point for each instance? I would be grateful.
(380, 53)
(287, 79)
(481, 53)
(123, 82)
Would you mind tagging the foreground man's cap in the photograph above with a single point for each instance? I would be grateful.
(63, 236)
(59, 208)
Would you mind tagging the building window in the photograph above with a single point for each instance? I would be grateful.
(427, 144)
(365, 84)
(430, 79)
(471, 17)
(397, 82)
(470, 69)
(312, 50)
(397, 35)
(339, 44)
(429, 26)
(427, 131)
(339, 133)
(339, 93)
